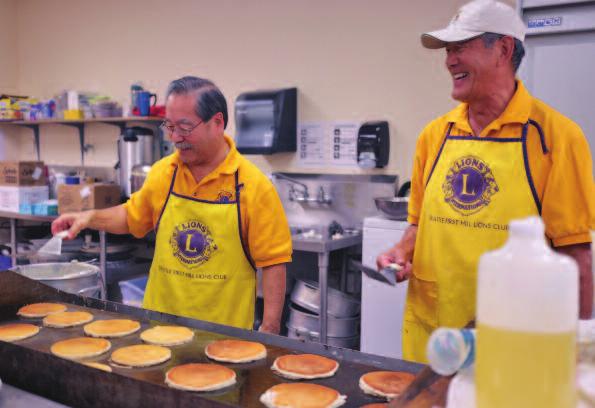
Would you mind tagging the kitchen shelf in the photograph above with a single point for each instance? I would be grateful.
(27, 217)
(90, 120)
(79, 124)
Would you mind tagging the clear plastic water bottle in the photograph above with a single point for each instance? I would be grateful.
(449, 350)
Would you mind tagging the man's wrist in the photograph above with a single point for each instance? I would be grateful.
(270, 327)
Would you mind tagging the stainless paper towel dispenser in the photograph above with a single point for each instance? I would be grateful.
(266, 121)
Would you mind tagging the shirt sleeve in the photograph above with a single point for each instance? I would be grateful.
(269, 238)
(420, 159)
(568, 207)
(140, 208)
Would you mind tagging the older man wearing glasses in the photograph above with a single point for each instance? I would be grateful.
(216, 216)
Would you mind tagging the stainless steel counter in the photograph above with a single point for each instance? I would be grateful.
(301, 243)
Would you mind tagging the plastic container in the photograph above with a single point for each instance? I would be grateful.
(133, 291)
(5, 262)
(73, 114)
(527, 317)
(449, 350)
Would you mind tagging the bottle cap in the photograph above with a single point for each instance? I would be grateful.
(528, 227)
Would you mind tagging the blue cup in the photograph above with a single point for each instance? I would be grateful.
(143, 101)
(72, 180)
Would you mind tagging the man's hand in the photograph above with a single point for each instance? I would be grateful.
(72, 222)
(113, 220)
(396, 255)
(401, 254)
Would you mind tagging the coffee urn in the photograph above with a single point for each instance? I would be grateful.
(135, 147)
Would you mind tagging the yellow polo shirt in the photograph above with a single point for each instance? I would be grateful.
(263, 222)
(562, 177)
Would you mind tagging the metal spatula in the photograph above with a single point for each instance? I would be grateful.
(54, 245)
(385, 275)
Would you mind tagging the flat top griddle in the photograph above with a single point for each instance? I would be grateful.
(28, 364)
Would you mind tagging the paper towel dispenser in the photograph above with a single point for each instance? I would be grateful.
(373, 144)
(266, 121)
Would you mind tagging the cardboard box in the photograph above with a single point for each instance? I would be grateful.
(21, 199)
(81, 197)
(22, 173)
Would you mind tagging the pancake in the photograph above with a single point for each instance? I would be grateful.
(375, 405)
(387, 384)
(80, 347)
(67, 319)
(99, 366)
(302, 395)
(141, 355)
(40, 309)
(167, 335)
(111, 328)
(304, 366)
(200, 377)
(17, 331)
(235, 351)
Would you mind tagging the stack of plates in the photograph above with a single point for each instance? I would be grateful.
(106, 109)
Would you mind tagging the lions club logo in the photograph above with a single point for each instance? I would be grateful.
(192, 243)
(225, 196)
(469, 185)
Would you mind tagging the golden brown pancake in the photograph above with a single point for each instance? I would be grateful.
(306, 366)
(167, 335)
(111, 328)
(67, 319)
(40, 309)
(17, 331)
(200, 377)
(99, 366)
(302, 395)
(235, 351)
(141, 355)
(80, 347)
(387, 384)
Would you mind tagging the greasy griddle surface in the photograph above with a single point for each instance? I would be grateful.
(253, 379)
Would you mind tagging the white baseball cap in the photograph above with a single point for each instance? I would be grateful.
(474, 19)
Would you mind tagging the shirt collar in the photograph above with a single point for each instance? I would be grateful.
(517, 111)
(228, 166)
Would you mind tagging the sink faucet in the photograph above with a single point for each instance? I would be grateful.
(302, 196)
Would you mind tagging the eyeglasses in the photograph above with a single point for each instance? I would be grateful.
(182, 130)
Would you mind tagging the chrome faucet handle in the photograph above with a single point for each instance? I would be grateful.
(323, 197)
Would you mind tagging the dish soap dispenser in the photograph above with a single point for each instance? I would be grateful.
(527, 317)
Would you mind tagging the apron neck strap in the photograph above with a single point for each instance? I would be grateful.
(544, 148)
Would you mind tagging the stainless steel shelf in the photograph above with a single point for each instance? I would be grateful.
(301, 243)
(27, 217)
(13, 217)
(323, 247)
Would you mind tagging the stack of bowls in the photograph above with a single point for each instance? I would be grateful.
(304, 315)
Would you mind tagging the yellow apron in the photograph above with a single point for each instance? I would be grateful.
(201, 267)
(475, 188)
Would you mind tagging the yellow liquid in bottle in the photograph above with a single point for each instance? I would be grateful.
(522, 369)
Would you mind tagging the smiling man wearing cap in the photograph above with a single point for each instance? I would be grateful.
(500, 155)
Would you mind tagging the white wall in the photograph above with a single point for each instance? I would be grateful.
(8, 71)
(350, 59)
